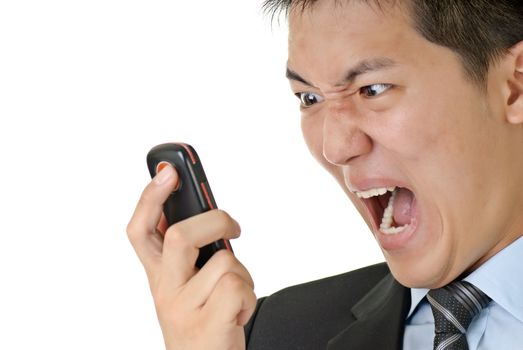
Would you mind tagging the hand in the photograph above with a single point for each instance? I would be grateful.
(197, 309)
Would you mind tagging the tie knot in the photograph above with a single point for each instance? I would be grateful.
(454, 306)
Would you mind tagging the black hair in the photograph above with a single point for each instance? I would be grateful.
(478, 31)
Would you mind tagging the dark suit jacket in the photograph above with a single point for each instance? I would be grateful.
(362, 309)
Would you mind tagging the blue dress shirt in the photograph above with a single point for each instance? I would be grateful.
(499, 325)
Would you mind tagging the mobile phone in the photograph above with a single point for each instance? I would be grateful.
(193, 194)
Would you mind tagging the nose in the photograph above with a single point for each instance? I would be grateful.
(343, 136)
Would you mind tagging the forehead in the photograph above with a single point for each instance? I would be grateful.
(342, 11)
(330, 34)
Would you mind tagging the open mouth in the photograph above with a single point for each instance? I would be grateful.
(390, 208)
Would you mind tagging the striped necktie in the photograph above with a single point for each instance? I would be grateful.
(454, 306)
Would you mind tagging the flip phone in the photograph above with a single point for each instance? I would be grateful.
(193, 194)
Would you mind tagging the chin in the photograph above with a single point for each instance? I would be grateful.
(416, 276)
(425, 263)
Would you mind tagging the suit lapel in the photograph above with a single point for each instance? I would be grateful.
(380, 317)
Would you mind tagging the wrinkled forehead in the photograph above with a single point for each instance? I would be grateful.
(331, 37)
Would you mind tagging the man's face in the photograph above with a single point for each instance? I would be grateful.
(383, 108)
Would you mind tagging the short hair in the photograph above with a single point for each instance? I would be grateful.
(478, 31)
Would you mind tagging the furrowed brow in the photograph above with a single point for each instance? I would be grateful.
(292, 75)
(367, 66)
(362, 67)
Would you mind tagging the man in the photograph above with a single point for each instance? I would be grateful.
(416, 108)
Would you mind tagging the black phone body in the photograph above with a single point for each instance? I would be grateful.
(193, 194)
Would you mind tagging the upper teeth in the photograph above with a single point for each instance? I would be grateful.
(373, 192)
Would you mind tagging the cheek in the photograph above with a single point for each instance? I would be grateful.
(415, 133)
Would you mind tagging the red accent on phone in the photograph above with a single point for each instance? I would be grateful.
(193, 194)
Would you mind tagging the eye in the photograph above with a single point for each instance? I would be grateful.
(307, 99)
(374, 89)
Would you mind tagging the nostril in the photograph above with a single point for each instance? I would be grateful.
(342, 148)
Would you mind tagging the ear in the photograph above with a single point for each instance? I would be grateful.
(515, 83)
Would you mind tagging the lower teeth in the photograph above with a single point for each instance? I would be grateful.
(387, 219)
(393, 230)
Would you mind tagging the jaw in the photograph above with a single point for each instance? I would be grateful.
(435, 254)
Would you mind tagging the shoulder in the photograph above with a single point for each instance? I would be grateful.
(321, 307)
(351, 285)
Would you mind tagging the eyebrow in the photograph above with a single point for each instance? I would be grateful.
(364, 66)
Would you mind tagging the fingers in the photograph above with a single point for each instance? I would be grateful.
(182, 240)
(162, 225)
(141, 230)
(195, 308)
(203, 283)
(232, 302)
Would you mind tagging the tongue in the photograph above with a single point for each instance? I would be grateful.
(402, 207)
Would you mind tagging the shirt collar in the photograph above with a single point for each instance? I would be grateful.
(416, 296)
(500, 277)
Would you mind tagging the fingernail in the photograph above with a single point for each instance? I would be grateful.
(165, 174)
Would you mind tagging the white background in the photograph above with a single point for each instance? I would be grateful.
(86, 89)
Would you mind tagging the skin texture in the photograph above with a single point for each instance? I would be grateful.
(455, 145)
(415, 120)
(197, 309)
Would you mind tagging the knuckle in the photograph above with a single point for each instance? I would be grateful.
(223, 214)
(177, 240)
(252, 297)
(225, 221)
(174, 237)
(232, 282)
(221, 220)
(132, 231)
(225, 260)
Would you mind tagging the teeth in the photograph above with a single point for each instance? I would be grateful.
(386, 221)
(373, 192)
(393, 230)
